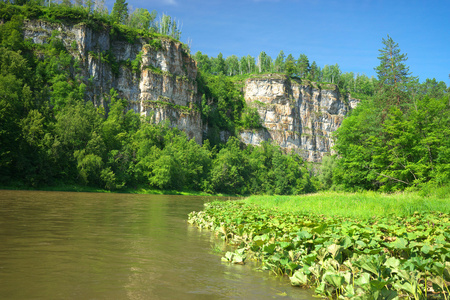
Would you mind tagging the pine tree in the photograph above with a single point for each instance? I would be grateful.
(119, 12)
(303, 67)
(393, 74)
(289, 65)
(314, 71)
(279, 62)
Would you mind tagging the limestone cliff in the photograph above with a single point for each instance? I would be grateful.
(297, 115)
(157, 78)
(163, 85)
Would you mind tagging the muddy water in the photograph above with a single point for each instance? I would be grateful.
(56, 245)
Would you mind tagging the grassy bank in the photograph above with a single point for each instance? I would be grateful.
(81, 188)
(358, 246)
(355, 205)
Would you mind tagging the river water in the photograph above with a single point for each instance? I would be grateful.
(59, 245)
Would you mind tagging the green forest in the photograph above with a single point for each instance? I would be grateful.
(396, 139)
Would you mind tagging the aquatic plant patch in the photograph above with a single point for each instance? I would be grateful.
(385, 257)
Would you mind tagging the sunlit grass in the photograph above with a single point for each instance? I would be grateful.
(357, 205)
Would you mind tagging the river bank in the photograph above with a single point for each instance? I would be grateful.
(65, 187)
(363, 245)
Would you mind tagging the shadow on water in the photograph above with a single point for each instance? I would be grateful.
(58, 245)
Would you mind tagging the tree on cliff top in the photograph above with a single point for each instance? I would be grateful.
(303, 67)
(119, 12)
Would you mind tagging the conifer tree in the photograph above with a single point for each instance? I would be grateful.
(279, 62)
(393, 74)
(119, 12)
(303, 67)
(392, 70)
(314, 72)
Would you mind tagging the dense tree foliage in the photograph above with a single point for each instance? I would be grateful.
(50, 135)
(397, 139)
(359, 85)
(95, 14)
(119, 12)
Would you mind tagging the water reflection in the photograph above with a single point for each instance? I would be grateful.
(115, 246)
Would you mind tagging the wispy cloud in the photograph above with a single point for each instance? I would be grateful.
(170, 2)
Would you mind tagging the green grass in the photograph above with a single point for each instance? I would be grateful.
(56, 188)
(355, 205)
(65, 187)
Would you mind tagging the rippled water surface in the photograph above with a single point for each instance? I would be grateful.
(57, 245)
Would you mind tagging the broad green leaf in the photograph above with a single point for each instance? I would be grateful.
(304, 235)
(316, 270)
(399, 243)
(229, 255)
(368, 263)
(334, 250)
(372, 251)
(415, 244)
(346, 242)
(292, 266)
(437, 268)
(286, 245)
(238, 259)
(320, 289)
(389, 294)
(426, 249)
(412, 236)
(321, 228)
(405, 287)
(335, 280)
(349, 291)
(348, 277)
(309, 259)
(363, 280)
(299, 278)
(269, 248)
(361, 244)
(392, 263)
(377, 284)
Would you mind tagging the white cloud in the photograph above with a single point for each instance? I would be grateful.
(170, 2)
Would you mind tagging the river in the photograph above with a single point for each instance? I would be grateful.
(60, 245)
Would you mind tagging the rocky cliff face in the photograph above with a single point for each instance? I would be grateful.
(298, 116)
(163, 87)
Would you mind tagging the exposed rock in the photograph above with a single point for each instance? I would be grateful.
(164, 86)
(298, 116)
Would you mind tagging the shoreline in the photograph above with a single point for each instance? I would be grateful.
(138, 190)
(338, 255)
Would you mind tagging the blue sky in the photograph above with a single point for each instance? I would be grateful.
(348, 33)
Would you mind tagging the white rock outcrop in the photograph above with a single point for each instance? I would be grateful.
(298, 116)
(164, 86)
